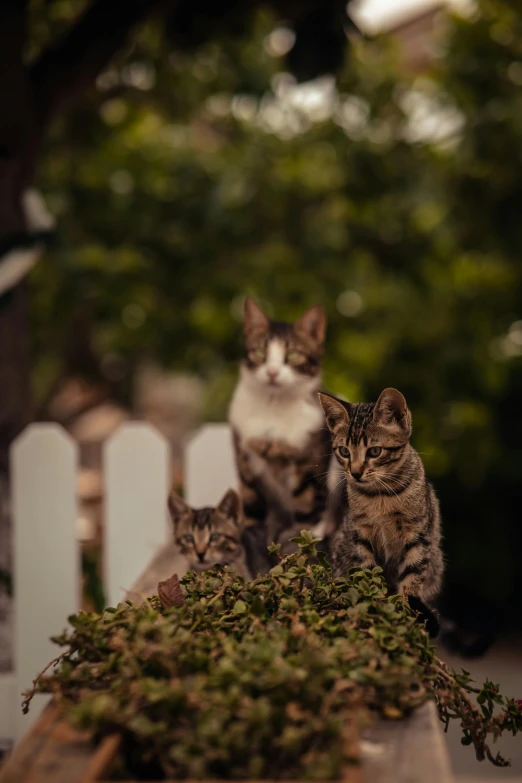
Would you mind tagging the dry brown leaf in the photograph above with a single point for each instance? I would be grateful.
(170, 593)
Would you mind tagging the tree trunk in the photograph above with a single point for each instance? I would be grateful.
(14, 415)
(29, 98)
(16, 167)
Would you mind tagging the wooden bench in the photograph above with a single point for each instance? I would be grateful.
(406, 751)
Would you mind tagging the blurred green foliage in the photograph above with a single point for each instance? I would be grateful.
(186, 181)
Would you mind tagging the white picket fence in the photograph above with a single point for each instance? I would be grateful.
(46, 552)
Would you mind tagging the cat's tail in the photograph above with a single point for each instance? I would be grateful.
(448, 633)
(460, 642)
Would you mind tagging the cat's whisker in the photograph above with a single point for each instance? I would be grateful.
(402, 479)
(335, 488)
(404, 484)
(399, 483)
(323, 473)
(389, 490)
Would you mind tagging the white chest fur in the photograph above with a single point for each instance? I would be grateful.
(258, 414)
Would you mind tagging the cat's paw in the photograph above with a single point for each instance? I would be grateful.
(250, 465)
(320, 530)
(426, 615)
(465, 643)
(258, 446)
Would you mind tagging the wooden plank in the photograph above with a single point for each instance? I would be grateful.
(46, 554)
(136, 517)
(64, 758)
(19, 763)
(54, 752)
(103, 760)
(209, 466)
(412, 750)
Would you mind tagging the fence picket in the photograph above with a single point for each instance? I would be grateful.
(46, 558)
(46, 553)
(136, 461)
(209, 465)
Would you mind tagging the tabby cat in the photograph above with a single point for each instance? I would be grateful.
(393, 517)
(282, 447)
(210, 536)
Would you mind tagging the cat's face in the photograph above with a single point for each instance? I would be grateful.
(208, 536)
(370, 439)
(283, 357)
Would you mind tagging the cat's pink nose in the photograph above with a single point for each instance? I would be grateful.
(272, 372)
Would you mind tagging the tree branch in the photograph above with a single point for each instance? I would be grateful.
(72, 64)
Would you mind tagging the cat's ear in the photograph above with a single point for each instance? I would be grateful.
(336, 414)
(313, 324)
(178, 508)
(255, 319)
(230, 506)
(391, 408)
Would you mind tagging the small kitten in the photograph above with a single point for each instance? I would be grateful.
(210, 536)
(393, 517)
(282, 447)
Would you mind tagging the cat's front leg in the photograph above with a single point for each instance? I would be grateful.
(249, 468)
(250, 465)
(352, 550)
(412, 580)
(243, 570)
(363, 553)
(413, 567)
(264, 500)
(328, 524)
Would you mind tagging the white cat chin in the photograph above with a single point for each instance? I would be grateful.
(199, 567)
(288, 413)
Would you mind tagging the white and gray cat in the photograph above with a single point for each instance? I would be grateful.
(282, 447)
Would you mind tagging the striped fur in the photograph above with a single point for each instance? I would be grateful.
(210, 536)
(393, 517)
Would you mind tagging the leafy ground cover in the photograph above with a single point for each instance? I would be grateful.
(220, 678)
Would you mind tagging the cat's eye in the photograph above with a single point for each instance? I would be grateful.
(374, 451)
(258, 355)
(214, 537)
(344, 451)
(188, 539)
(295, 357)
